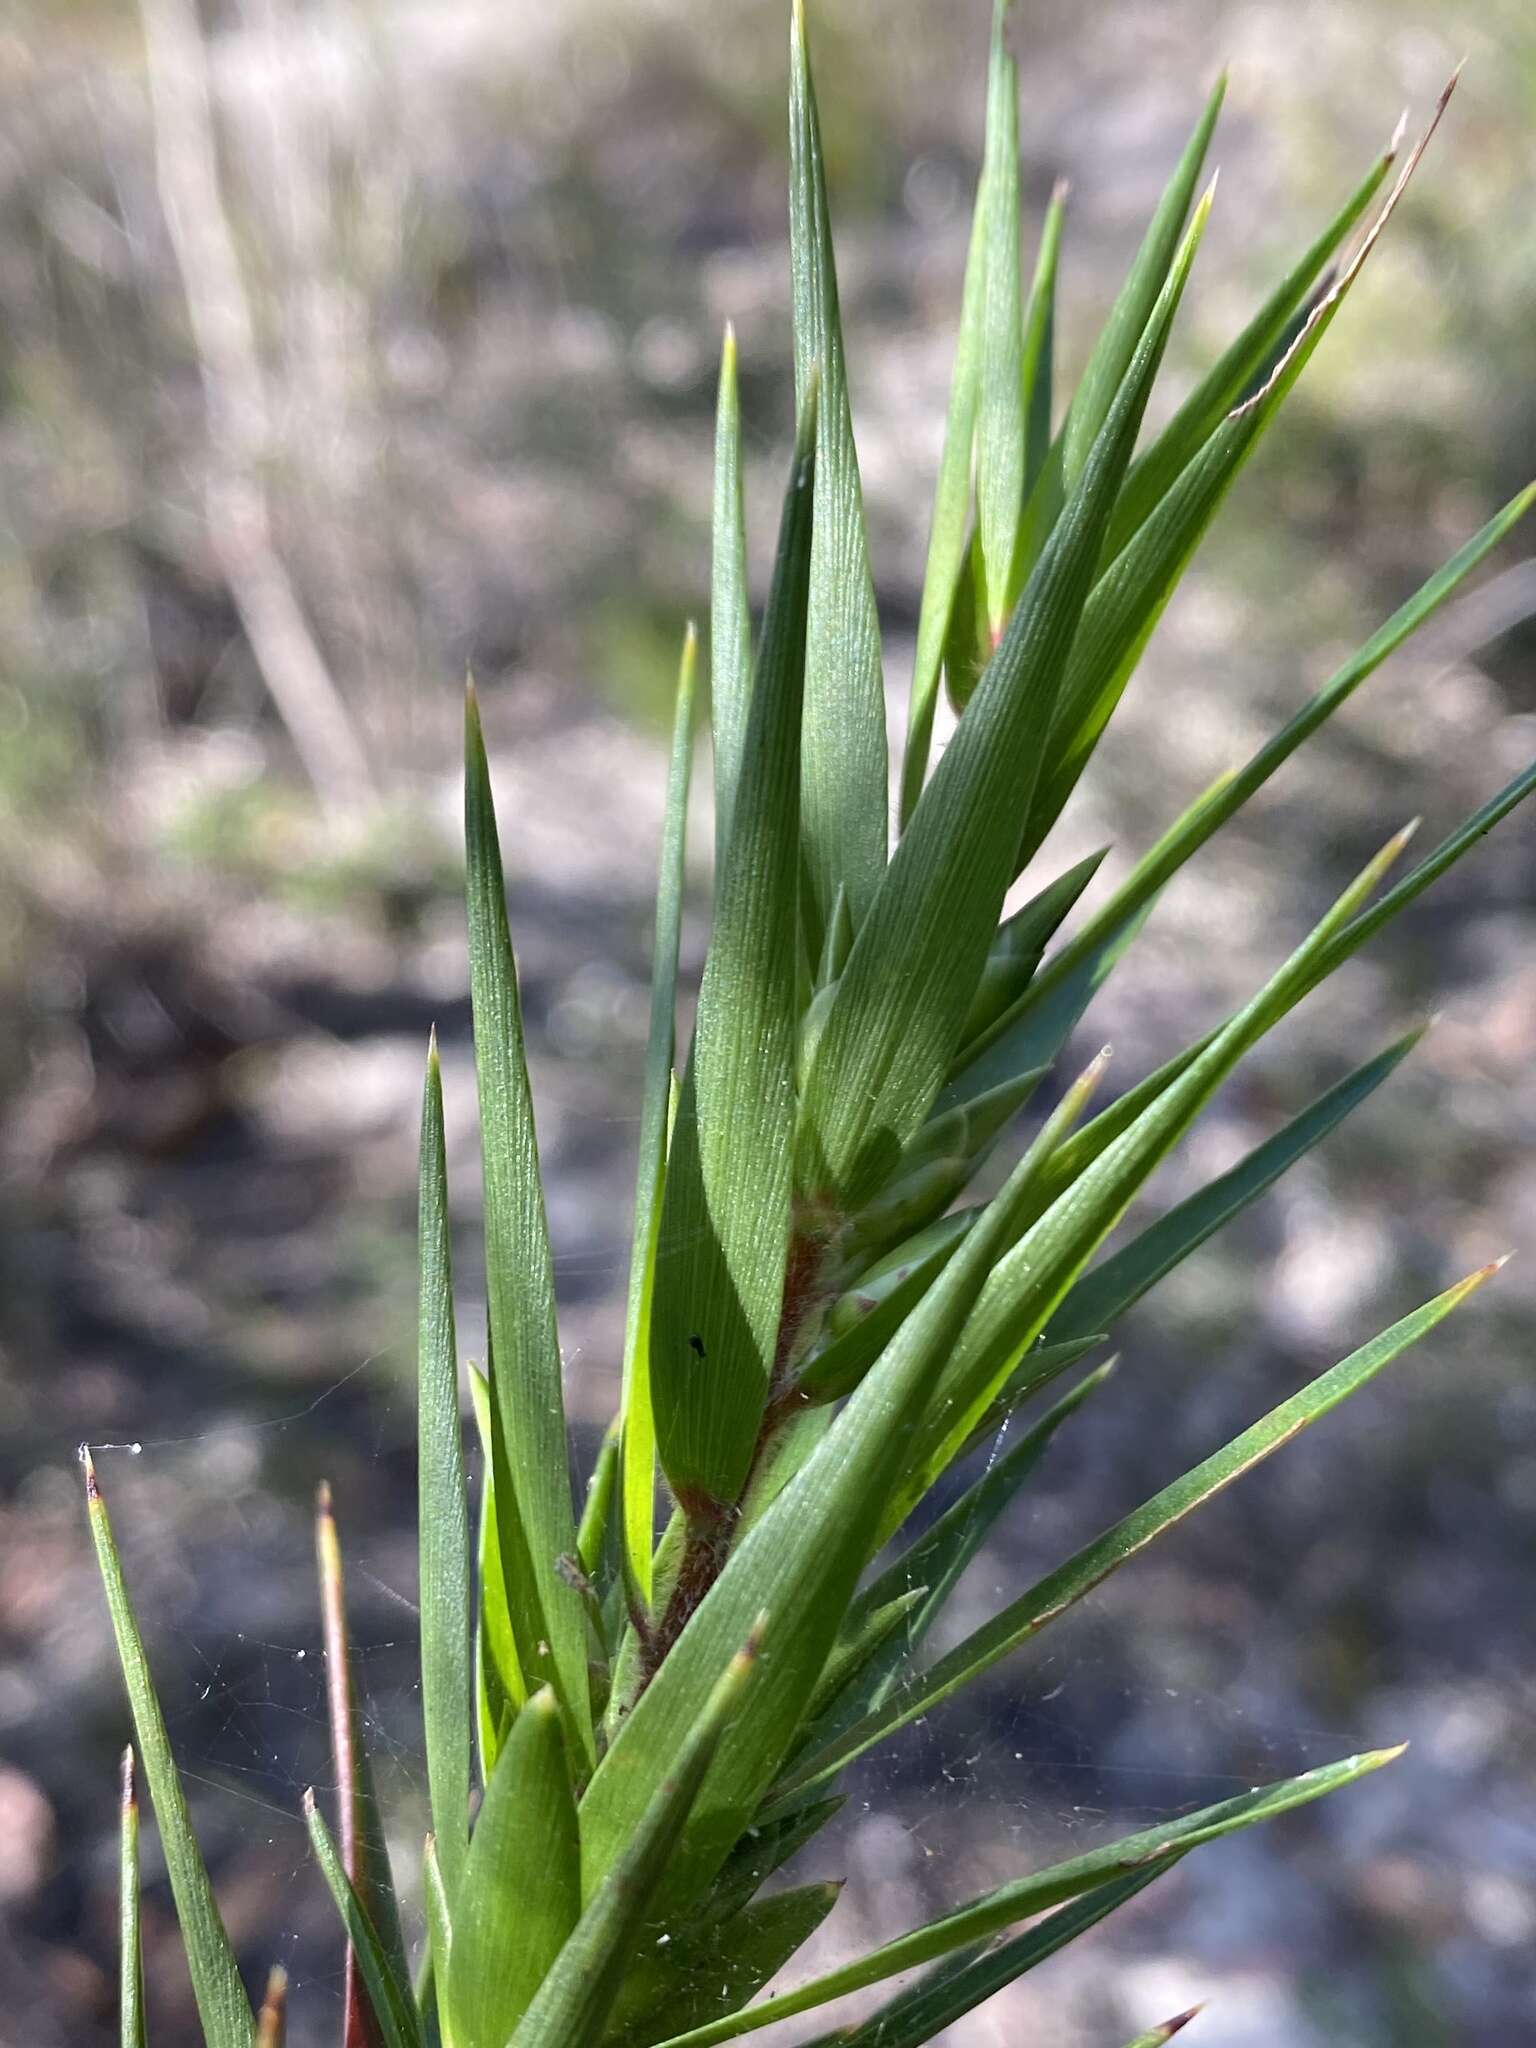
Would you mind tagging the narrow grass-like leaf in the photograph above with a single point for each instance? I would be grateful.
(798, 1565)
(638, 1479)
(1017, 951)
(947, 535)
(1246, 359)
(388, 1993)
(595, 1527)
(528, 1412)
(1132, 309)
(500, 1687)
(942, 1160)
(843, 758)
(222, 2006)
(1032, 1611)
(1022, 1037)
(1032, 1032)
(725, 1205)
(1440, 861)
(578, 1992)
(940, 1556)
(730, 617)
(439, 1939)
(858, 1648)
(928, 1571)
(1009, 1903)
(901, 1004)
(1032, 1279)
(130, 1951)
(443, 1517)
(1000, 412)
(1037, 369)
(272, 2020)
(953, 1988)
(521, 1894)
(1109, 1290)
(717, 1969)
(1039, 1366)
(1130, 598)
(760, 1852)
(363, 1853)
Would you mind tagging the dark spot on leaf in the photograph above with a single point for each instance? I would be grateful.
(696, 1345)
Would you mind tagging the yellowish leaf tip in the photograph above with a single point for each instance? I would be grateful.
(308, 1803)
(690, 639)
(129, 1780)
(1061, 191)
(1378, 1757)
(323, 1499)
(1390, 152)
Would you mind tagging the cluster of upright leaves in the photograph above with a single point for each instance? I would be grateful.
(817, 1336)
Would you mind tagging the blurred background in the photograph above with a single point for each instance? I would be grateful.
(348, 343)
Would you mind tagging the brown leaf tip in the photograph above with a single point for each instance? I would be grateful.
(1181, 2021)
(92, 1490)
(323, 1506)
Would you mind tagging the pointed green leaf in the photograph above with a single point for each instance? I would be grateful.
(639, 1425)
(1000, 413)
(1016, 953)
(940, 1162)
(521, 1894)
(500, 1687)
(843, 768)
(390, 2001)
(1130, 598)
(938, 1559)
(730, 618)
(760, 1852)
(725, 1204)
(1132, 309)
(951, 1989)
(901, 1004)
(947, 535)
(1435, 864)
(1037, 367)
(1032, 1611)
(528, 1412)
(439, 1939)
(130, 1952)
(1031, 1280)
(1249, 357)
(1027, 1037)
(222, 2006)
(1033, 1030)
(857, 1649)
(578, 1992)
(1009, 1903)
(592, 1534)
(716, 1969)
(1108, 1291)
(443, 1515)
